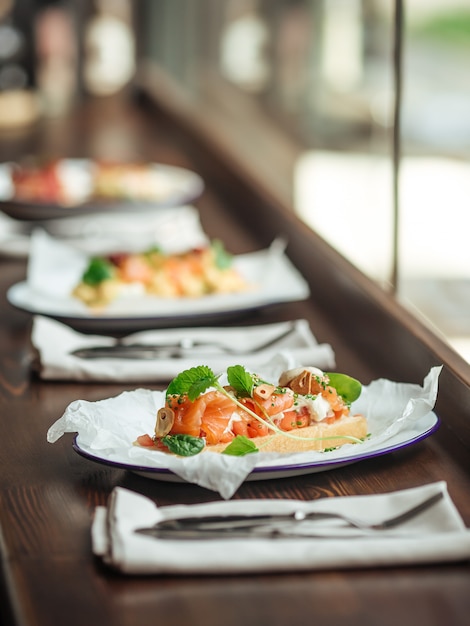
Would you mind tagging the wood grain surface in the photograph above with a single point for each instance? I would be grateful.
(48, 493)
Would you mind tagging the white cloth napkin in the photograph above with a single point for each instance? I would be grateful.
(436, 535)
(173, 229)
(55, 341)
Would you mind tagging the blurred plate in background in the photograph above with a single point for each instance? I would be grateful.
(275, 278)
(71, 187)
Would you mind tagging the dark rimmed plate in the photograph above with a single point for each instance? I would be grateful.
(181, 186)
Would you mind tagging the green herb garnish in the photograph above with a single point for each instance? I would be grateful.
(240, 446)
(196, 380)
(348, 388)
(240, 380)
(183, 445)
(193, 382)
(153, 250)
(222, 258)
(98, 270)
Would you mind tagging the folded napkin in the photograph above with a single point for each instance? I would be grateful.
(173, 229)
(436, 535)
(14, 236)
(55, 341)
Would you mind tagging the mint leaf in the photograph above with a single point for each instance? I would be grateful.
(240, 446)
(98, 270)
(192, 382)
(240, 380)
(222, 258)
(183, 445)
(150, 252)
(153, 249)
(348, 388)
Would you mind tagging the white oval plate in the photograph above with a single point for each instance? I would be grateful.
(274, 277)
(419, 430)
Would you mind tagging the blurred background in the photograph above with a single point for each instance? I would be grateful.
(302, 91)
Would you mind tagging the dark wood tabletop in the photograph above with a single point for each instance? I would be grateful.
(48, 493)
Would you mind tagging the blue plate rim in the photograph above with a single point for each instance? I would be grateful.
(264, 469)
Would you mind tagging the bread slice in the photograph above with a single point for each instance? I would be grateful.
(317, 437)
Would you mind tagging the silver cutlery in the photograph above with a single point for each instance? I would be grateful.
(175, 350)
(271, 526)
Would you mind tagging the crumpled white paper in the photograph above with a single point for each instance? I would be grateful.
(108, 428)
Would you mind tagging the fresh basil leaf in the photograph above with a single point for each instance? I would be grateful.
(348, 388)
(222, 258)
(153, 250)
(240, 446)
(183, 445)
(153, 254)
(192, 382)
(98, 270)
(240, 380)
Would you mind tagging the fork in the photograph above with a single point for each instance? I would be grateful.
(174, 350)
(249, 526)
(187, 343)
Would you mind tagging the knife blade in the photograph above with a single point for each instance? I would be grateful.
(133, 351)
(230, 522)
(191, 534)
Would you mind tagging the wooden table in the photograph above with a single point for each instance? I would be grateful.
(48, 494)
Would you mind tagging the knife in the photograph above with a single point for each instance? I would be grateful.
(176, 350)
(265, 524)
(134, 351)
(250, 533)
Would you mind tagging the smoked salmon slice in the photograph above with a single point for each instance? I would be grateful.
(215, 417)
(208, 416)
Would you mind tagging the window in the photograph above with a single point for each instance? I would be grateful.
(434, 253)
(305, 88)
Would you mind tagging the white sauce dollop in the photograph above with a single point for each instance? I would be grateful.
(318, 407)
